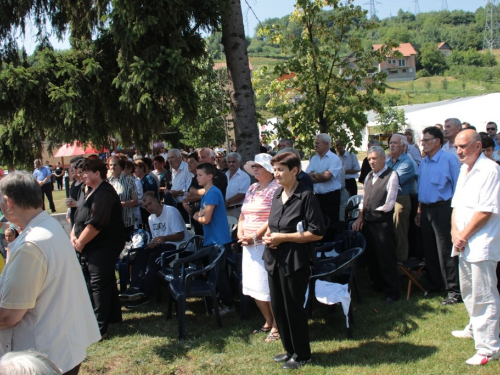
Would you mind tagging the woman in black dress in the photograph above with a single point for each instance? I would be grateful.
(99, 234)
(294, 227)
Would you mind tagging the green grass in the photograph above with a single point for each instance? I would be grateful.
(59, 201)
(411, 337)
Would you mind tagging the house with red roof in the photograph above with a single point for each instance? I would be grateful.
(400, 66)
(444, 48)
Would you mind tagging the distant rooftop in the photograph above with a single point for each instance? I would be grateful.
(406, 49)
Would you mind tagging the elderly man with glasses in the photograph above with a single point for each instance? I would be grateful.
(438, 173)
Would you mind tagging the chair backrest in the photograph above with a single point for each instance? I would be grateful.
(339, 263)
(351, 239)
(352, 205)
(233, 223)
(212, 254)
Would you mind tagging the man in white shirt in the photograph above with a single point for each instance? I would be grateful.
(238, 182)
(476, 238)
(351, 166)
(452, 127)
(324, 169)
(181, 179)
(376, 220)
(166, 225)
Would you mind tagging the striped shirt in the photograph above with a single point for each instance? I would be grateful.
(257, 206)
(126, 189)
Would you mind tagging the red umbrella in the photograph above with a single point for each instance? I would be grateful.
(76, 149)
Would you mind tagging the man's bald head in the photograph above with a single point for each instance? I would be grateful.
(206, 155)
(469, 146)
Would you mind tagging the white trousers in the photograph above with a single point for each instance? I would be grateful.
(478, 284)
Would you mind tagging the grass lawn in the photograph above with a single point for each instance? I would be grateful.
(409, 337)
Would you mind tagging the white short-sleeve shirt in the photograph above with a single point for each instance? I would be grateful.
(479, 191)
(330, 162)
(169, 222)
(239, 183)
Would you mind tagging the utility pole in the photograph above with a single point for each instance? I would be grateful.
(373, 10)
(417, 8)
(492, 27)
(444, 5)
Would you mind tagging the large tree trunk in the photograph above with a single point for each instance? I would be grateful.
(240, 84)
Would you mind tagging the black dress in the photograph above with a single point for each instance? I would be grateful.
(102, 209)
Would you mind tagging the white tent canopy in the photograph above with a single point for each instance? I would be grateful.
(476, 110)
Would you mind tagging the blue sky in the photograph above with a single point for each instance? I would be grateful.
(278, 8)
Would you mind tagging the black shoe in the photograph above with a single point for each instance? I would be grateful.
(451, 301)
(293, 364)
(53, 211)
(131, 294)
(282, 357)
(138, 303)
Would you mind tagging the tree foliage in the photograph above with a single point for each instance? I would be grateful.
(333, 78)
(131, 70)
(390, 120)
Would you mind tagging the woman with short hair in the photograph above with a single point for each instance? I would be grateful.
(99, 234)
(295, 224)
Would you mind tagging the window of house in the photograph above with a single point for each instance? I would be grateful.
(402, 62)
(393, 71)
(403, 70)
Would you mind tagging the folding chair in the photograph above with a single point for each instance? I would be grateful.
(412, 268)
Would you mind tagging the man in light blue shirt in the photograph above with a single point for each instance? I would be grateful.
(324, 169)
(402, 164)
(437, 178)
(43, 176)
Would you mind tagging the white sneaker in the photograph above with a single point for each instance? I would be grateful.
(480, 359)
(464, 334)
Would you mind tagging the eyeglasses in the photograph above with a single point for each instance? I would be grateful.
(231, 162)
(426, 140)
(491, 129)
(257, 166)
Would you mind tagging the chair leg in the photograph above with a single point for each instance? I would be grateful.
(351, 322)
(181, 316)
(169, 305)
(216, 309)
(355, 281)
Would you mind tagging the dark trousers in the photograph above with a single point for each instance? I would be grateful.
(380, 256)
(351, 186)
(59, 181)
(101, 265)
(330, 206)
(74, 371)
(415, 248)
(47, 191)
(145, 270)
(288, 294)
(183, 212)
(442, 268)
(222, 283)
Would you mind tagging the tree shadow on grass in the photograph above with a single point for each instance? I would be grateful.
(374, 353)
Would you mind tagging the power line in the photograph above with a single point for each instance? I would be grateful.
(373, 9)
(417, 7)
(444, 5)
(492, 27)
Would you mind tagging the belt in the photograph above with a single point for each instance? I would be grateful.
(234, 206)
(437, 204)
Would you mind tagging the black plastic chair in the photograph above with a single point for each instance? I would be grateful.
(189, 284)
(330, 269)
(166, 273)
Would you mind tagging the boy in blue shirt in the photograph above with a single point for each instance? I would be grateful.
(212, 215)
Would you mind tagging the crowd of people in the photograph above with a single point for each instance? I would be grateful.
(437, 202)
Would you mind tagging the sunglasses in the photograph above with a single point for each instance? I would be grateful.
(491, 129)
(257, 166)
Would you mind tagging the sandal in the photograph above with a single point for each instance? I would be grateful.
(262, 329)
(273, 336)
